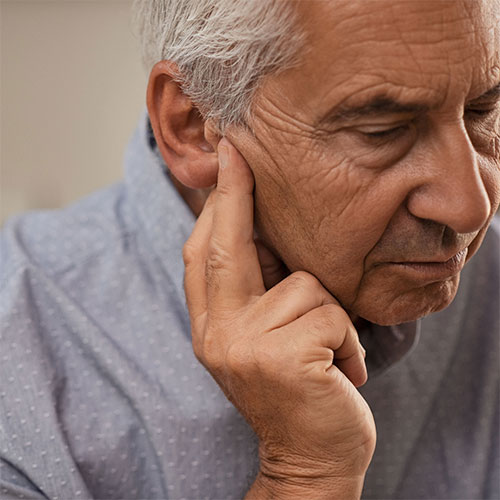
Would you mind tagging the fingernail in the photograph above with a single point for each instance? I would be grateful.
(223, 155)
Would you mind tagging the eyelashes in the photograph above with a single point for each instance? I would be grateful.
(476, 114)
(389, 133)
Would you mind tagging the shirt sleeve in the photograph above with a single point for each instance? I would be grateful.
(15, 485)
(36, 461)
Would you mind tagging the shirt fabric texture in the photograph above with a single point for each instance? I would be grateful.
(101, 396)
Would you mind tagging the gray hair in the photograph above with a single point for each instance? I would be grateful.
(222, 48)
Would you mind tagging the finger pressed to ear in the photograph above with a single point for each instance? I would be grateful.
(195, 255)
(233, 269)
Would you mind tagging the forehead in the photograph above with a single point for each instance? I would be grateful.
(434, 49)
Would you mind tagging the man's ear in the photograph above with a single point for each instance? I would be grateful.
(187, 144)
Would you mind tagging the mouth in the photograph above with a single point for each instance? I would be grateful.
(433, 270)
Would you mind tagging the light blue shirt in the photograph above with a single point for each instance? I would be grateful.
(102, 397)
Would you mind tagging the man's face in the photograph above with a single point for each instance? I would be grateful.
(378, 158)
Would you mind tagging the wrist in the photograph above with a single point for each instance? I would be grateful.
(285, 474)
(317, 488)
(280, 463)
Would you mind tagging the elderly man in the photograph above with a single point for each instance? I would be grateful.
(355, 149)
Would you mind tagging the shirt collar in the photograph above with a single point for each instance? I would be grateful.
(387, 345)
(167, 223)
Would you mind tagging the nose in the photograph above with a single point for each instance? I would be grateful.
(450, 188)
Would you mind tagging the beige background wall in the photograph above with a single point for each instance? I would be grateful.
(72, 89)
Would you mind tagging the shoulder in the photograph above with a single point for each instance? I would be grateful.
(54, 258)
(56, 240)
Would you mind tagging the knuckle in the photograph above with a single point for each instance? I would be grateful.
(335, 314)
(217, 261)
(336, 320)
(236, 359)
(224, 189)
(319, 328)
(198, 351)
(268, 359)
(212, 361)
(189, 253)
(208, 352)
(303, 279)
(217, 257)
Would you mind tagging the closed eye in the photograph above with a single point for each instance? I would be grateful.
(478, 112)
(482, 108)
(388, 133)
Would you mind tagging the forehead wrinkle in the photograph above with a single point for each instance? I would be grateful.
(275, 166)
(270, 114)
(435, 47)
(444, 82)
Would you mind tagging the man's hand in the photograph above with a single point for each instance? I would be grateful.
(288, 358)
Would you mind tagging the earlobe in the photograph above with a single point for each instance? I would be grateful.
(179, 129)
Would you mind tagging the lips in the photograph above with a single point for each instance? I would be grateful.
(432, 270)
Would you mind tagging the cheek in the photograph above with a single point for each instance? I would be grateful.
(325, 223)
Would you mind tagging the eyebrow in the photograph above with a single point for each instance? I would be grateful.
(383, 105)
(379, 105)
(493, 93)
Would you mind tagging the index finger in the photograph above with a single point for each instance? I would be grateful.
(233, 270)
(195, 254)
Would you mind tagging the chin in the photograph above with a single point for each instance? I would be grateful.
(396, 308)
